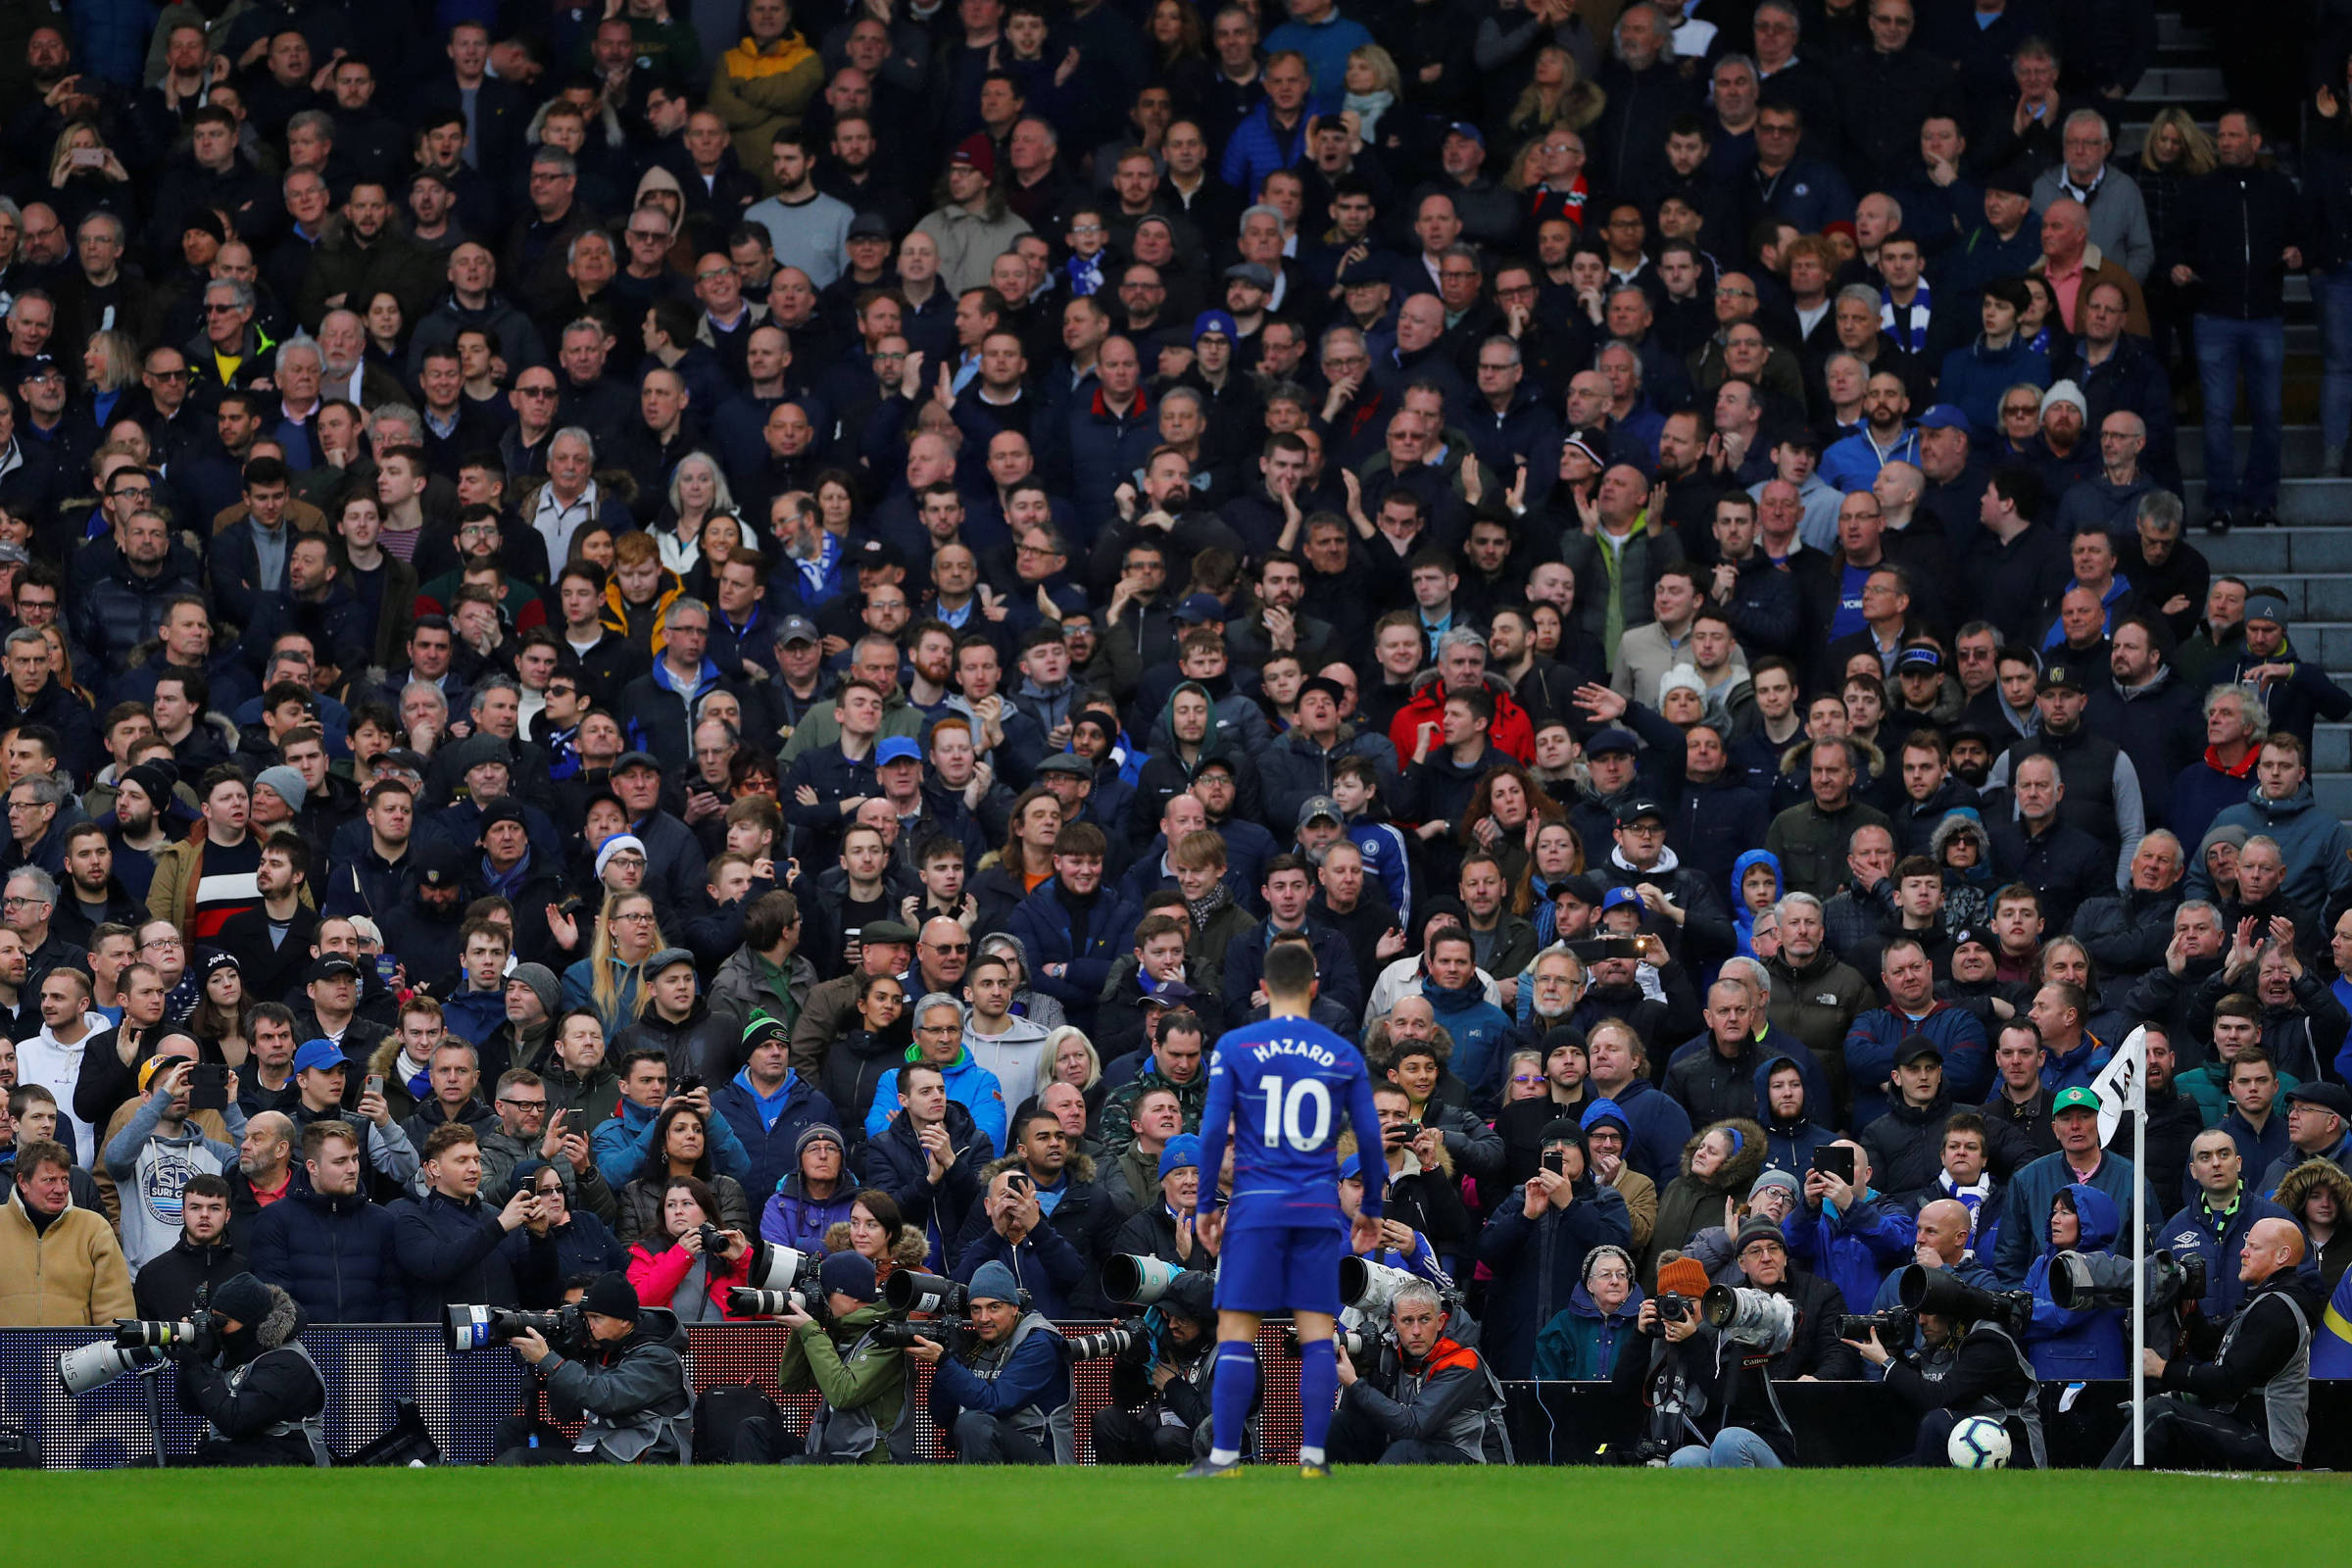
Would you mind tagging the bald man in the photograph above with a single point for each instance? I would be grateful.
(1941, 1242)
(2253, 1399)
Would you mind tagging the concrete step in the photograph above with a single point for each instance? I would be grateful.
(2331, 748)
(2179, 85)
(2300, 500)
(2299, 449)
(2329, 642)
(2273, 552)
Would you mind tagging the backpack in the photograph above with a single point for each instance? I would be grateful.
(720, 1411)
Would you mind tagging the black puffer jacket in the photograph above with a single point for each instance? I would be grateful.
(122, 610)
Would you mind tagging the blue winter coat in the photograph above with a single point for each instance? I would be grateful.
(1337, 981)
(334, 1255)
(969, 1085)
(1539, 1267)
(2026, 1207)
(1870, 1043)
(1974, 380)
(453, 1252)
(2312, 844)
(1854, 1250)
(1479, 1030)
(792, 1218)
(1089, 946)
(770, 1148)
(1047, 1265)
(2071, 1347)
(622, 1146)
(1581, 1342)
(2217, 1237)
(1743, 918)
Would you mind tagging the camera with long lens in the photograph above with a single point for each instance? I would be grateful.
(2083, 1282)
(95, 1365)
(1140, 1281)
(1945, 1294)
(1371, 1288)
(1750, 1316)
(939, 1303)
(1892, 1326)
(1359, 1343)
(1103, 1341)
(132, 1334)
(778, 1279)
(469, 1327)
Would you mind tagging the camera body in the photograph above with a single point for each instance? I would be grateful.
(956, 1335)
(1673, 1306)
(2082, 1282)
(1893, 1326)
(1938, 1291)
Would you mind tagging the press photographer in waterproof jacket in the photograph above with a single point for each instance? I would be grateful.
(261, 1396)
(628, 1377)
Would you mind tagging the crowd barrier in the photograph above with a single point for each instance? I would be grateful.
(369, 1368)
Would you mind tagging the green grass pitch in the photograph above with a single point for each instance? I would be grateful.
(1528, 1516)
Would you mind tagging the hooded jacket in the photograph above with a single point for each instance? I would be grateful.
(1581, 1342)
(1871, 1044)
(624, 1145)
(638, 1402)
(2314, 844)
(969, 1085)
(2069, 1346)
(2295, 1189)
(1788, 1145)
(1743, 918)
(2024, 1221)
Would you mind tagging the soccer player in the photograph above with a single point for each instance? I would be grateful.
(1279, 1087)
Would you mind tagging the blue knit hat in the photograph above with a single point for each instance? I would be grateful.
(1606, 1110)
(993, 1282)
(1179, 1151)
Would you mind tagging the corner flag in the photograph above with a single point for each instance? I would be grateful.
(2122, 1084)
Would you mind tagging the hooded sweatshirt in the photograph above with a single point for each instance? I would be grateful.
(1743, 918)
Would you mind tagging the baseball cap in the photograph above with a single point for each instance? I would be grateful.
(1610, 740)
(1943, 417)
(1363, 272)
(1175, 993)
(2074, 1099)
(1582, 889)
(1926, 660)
(868, 225)
(874, 555)
(629, 760)
(1917, 1048)
(317, 1056)
(333, 966)
(2060, 677)
(1618, 899)
(1467, 132)
(1327, 686)
(1315, 806)
(1634, 809)
(897, 749)
(797, 629)
(1201, 608)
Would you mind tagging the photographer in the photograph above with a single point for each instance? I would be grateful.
(680, 1267)
(1427, 1399)
(1159, 1385)
(1005, 1398)
(628, 1376)
(247, 1374)
(1970, 1364)
(1814, 1352)
(2248, 1408)
(1708, 1397)
(867, 1417)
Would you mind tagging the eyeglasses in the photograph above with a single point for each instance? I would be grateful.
(640, 915)
(536, 391)
(948, 946)
(714, 273)
(169, 375)
(159, 941)
(1527, 1077)
(523, 1104)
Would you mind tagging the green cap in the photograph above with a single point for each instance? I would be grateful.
(2077, 1099)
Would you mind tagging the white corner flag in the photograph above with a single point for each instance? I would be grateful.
(2122, 1084)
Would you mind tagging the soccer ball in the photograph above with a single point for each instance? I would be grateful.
(1978, 1442)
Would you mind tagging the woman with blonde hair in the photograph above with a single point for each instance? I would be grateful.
(1373, 86)
(1559, 94)
(608, 982)
(698, 492)
(2177, 151)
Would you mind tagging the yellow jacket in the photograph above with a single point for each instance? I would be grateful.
(760, 91)
(71, 1277)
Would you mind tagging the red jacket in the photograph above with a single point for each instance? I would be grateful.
(656, 1276)
(1512, 731)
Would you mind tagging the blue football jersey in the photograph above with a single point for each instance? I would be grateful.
(1282, 1089)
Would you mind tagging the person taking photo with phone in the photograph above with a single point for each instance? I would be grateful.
(154, 1144)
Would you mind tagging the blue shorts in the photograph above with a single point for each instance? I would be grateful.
(1292, 1269)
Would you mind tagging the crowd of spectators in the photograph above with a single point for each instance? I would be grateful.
(757, 619)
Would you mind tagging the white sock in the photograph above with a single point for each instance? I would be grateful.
(1310, 1455)
(1224, 1456)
